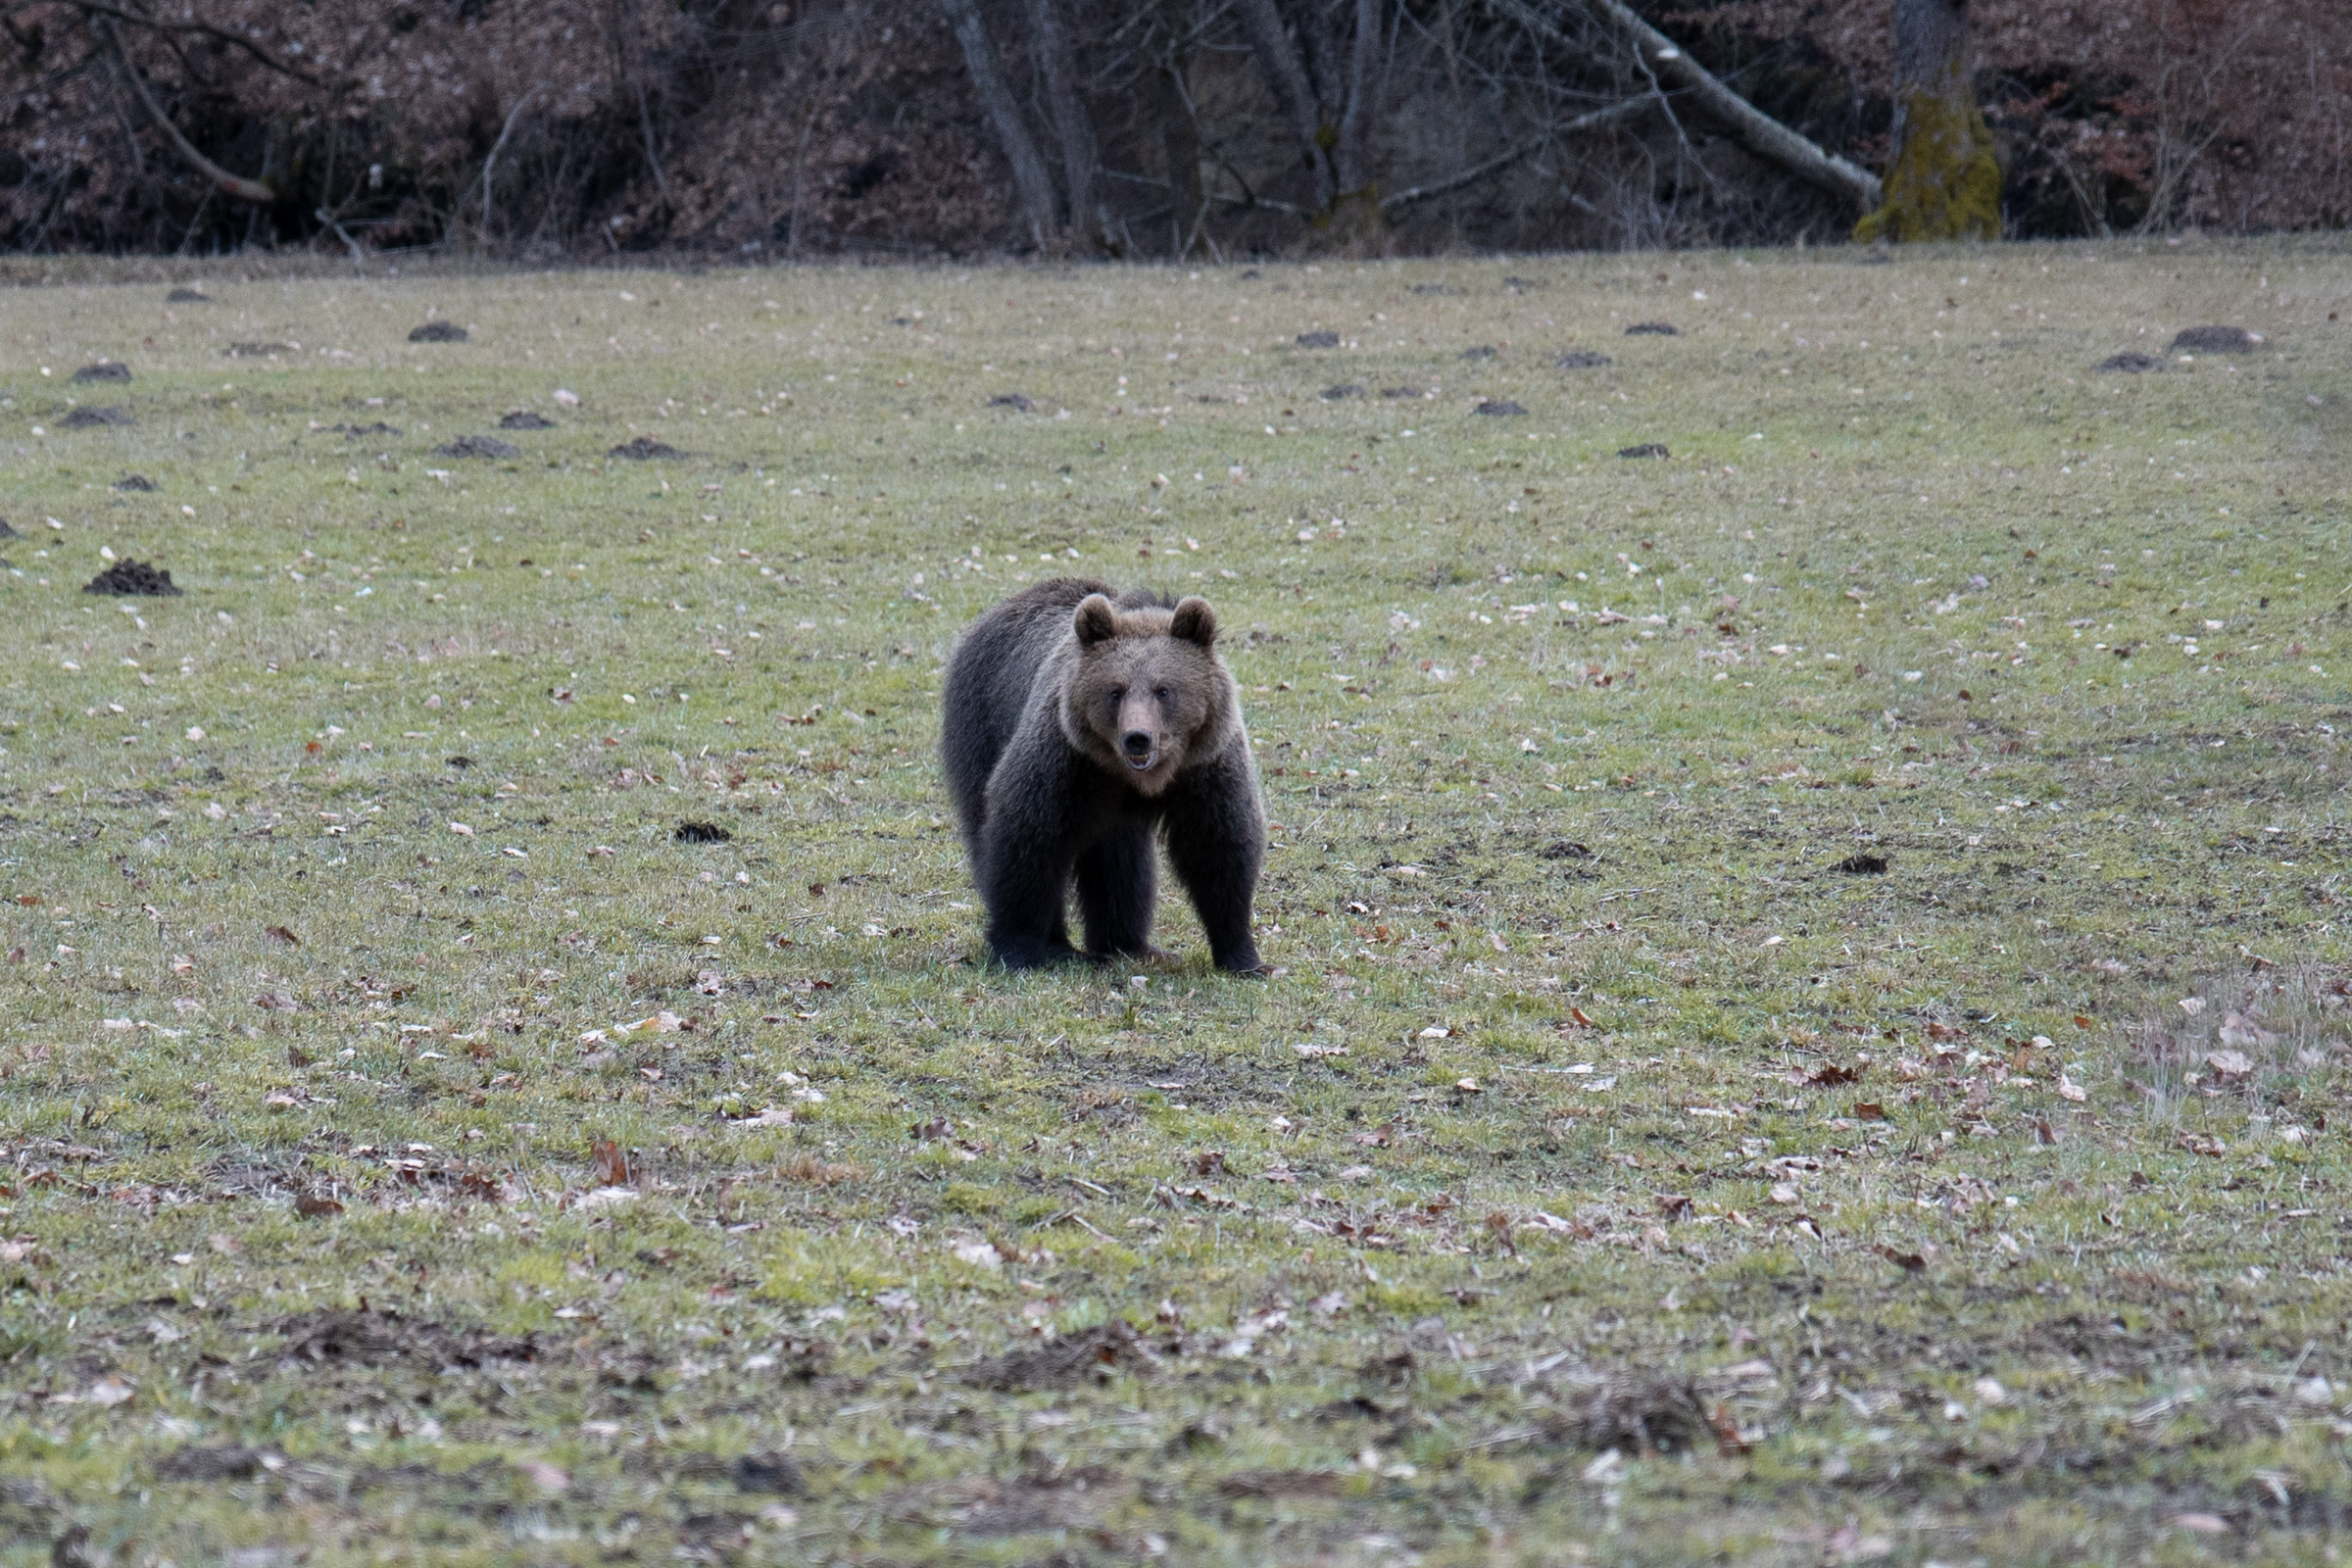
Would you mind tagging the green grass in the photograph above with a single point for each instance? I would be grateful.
(1590, 1106)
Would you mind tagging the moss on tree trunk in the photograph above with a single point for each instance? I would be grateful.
(1945, 181)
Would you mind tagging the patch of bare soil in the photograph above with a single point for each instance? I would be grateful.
(91, 418)
(1335, 394)
(1095, 1356)
(2213, 340)
(644, 450)
(1652, 329)
(1498, 408)
(1318, 340)
(1582, 360)
(1642, 1414)
(103, 370)
(1012, 400)
(187, 296)
(525, 420)
(1648, 448)
(1283, 1484)
(229, 1462)
(477, 445)
(132, 578)
(138, 483)
(2128, 363)
(438, 333)
(1077, 1498)
(256, 351)
(370, 1337)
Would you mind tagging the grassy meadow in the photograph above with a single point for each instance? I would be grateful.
(1808, 1021)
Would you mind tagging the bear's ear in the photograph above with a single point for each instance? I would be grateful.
(1097, 621)
(1194, 621)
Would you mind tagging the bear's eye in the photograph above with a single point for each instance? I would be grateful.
(1118, 694)
(1161, 694)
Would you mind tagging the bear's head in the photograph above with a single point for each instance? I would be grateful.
(1147, 691)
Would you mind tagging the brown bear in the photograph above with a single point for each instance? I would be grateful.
(1078, 721)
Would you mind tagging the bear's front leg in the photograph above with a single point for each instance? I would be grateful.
(1026, 850)
(1216, 843)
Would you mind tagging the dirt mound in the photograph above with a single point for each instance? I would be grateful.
(1431, 288)
(1652, 329)
(438, 333)
(1334, 394)
(770, 1473)
(1012, 400)
(702, 833)
(2129, 362)
(228, 1463)
(368, 1338)
(477, 445)
(1283, 1484)
(90, 419)
(1567, 850)
(379, 427)
(644, 450)
(1862, 863)
(8, 530)
(525, 420)
(1642, 1414)
(138, 483)
(1648, 448)
(187, 296)
(1582, 360)
(1498, 408)
(1400, 392)
(256, 351)
(103, 370)
(1485, 351)
(1318, 340)
(2215, 340)
(1096, 1356)
(132, 579)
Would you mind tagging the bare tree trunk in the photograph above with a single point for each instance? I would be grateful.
(1180, 143)
(1029, 175)
(1293, 99)
(1357, 214)
(1351, 153)
(1945, 182)
(1081, 163)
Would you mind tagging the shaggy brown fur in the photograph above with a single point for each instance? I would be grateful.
(1078, 721)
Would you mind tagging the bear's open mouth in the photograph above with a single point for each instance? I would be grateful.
(1143, 764)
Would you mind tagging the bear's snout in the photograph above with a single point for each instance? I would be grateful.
(1137, 744)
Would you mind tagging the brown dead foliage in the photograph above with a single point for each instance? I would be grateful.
(1642, 1414)
(1093, 1357)
(374, 1338)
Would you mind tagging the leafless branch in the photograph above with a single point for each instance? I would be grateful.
(1748, 125)
(253, 47)
(243, 190)
(1510, 156)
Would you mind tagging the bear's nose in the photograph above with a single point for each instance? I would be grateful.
(1138, 742)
